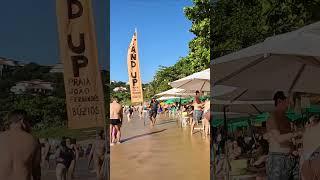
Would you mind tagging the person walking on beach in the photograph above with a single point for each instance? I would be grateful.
(97, 153)
(145, 110)
(197, 112)
(46, 153)
(131, 110)
(64, 157)
(71, 144)
(154, 106)
(20, 152)
(116, 116)
(281, 165)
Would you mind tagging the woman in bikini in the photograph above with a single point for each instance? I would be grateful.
(72, 144)
(64, 157)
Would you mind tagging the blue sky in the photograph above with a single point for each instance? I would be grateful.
(29, 31)
(163, 34)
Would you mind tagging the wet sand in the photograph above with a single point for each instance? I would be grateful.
(164, 152)
(81, 173)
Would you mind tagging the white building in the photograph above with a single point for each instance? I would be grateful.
(33, 86)
(57, 68)
(120, 89)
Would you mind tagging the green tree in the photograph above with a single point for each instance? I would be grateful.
(238, 24)
(199, 47)
(44, 111)
(198, 57)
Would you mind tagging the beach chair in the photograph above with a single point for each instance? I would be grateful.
(200, 126)
(184, 120)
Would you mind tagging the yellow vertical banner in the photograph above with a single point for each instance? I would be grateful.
(134, 71)
(78, 53)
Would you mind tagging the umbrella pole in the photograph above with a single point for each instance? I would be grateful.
(214, 174)
(225, 142)
(252, 130)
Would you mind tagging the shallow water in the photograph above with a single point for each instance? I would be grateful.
(164, 152)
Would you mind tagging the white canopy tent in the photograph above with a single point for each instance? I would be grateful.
(198, 81)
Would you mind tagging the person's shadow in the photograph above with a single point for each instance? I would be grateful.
(142, 135)
(167, 122)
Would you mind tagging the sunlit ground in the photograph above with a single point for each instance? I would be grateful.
(165, 152)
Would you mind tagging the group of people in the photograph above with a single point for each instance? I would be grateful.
(22, 155)
(280, 151)
(196, 112)
(117, 112)
(241, 144)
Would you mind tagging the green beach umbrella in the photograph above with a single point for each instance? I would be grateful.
(313, 109)
(170, 101)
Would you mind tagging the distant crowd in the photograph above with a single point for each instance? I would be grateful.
(277, 150)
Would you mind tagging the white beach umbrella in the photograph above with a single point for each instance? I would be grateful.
(175, 92)
(289, 62)
(163, 98)
(221, 92)
(244, 107)
(198, 81)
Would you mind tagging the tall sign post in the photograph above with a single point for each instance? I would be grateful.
(134, 71)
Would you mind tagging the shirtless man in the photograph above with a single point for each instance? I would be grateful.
(116, 116)
(20, 152)
(197, 113)
(281, 165)
(98, 151)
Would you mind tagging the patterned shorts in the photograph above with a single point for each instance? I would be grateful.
(197, 115)
(282, 166)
